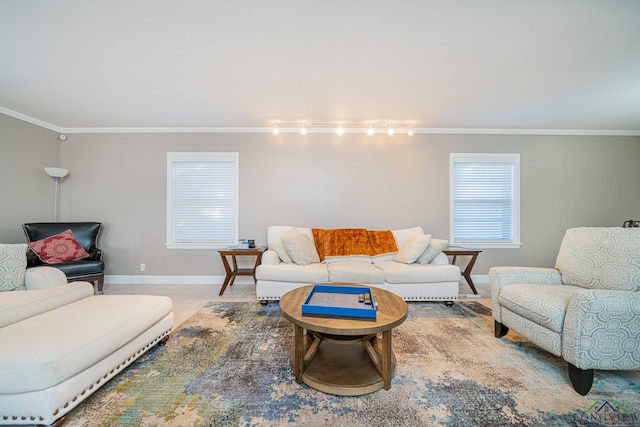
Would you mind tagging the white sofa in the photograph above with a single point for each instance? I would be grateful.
(59, 343)
(434, 281)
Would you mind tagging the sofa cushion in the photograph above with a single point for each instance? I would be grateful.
(20, 305)
(601, 258)
(277, 231)
(277, 246)
(58, 248)
(436, 246)
(13, 265)
(397, 272)
(405, 234)
(545, 305)
(382, 258)
(300, 248)
(342, 244)
(355, 272)
(101, 324)
(311, 273)
(412, 249)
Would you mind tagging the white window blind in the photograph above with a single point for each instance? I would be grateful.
(202, 200)
(485, 200)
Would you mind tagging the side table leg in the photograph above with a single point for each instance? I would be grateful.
(229, 274)
(224, 285)
(467, 273)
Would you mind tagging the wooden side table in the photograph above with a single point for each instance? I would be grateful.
(456, 251)
(233, 272)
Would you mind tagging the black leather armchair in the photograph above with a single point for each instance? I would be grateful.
(89, 269)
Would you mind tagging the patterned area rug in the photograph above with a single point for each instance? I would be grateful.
(228, 365)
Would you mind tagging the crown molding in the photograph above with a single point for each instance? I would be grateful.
(29, 119)
(269, 129)
(506, 131)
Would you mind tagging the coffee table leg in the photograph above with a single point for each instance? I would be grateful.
(386, 359)
(298, 352)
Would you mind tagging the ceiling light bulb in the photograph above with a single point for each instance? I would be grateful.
(303, 131)
(340, 131)
(410, 132)
(276, 131)
(370, 131)
(390, 131)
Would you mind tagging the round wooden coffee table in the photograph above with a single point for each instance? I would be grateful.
(346, 357)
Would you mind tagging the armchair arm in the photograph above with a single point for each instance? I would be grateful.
(502, 276)
(96, 254)
(43, 278)
(602, 330)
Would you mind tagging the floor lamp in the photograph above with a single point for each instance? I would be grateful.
(56, 174)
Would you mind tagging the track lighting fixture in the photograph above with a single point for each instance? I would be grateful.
(342, 127)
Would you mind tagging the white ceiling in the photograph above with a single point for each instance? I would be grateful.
(542, 65)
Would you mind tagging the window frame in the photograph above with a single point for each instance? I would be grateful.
(216, 157)
(513, 159)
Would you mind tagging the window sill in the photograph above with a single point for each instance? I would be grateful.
(487, 245)
(194, 245)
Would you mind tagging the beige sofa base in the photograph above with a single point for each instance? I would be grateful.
(438, 291)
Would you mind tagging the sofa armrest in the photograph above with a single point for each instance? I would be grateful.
(440, 259)
(270, 257)
(43, 278)
(602, 330)
(503, 276)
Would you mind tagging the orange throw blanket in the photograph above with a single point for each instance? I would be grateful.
(341, 242)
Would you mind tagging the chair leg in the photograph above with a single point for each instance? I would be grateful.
(100, 283)
(499, 330)
(581, 379)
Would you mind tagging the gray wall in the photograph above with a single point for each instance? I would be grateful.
(319, 180)
(26, 191)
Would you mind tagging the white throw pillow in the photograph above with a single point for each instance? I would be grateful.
(13, 265)
(433, 250)
(276, 245)
(300, 248)
(412, 249)
(403, 235)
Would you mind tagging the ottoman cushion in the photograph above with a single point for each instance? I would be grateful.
(78, 335)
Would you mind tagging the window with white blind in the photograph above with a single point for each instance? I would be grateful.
(202, 200)
(485, 200)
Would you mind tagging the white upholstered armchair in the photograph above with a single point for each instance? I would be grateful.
(585, 310)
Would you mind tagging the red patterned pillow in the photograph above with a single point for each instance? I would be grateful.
(62, 247)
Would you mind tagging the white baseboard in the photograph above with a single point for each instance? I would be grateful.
(208, 280)
(482, 279)
(164, 280)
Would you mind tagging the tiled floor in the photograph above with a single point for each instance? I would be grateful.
(187, 299)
